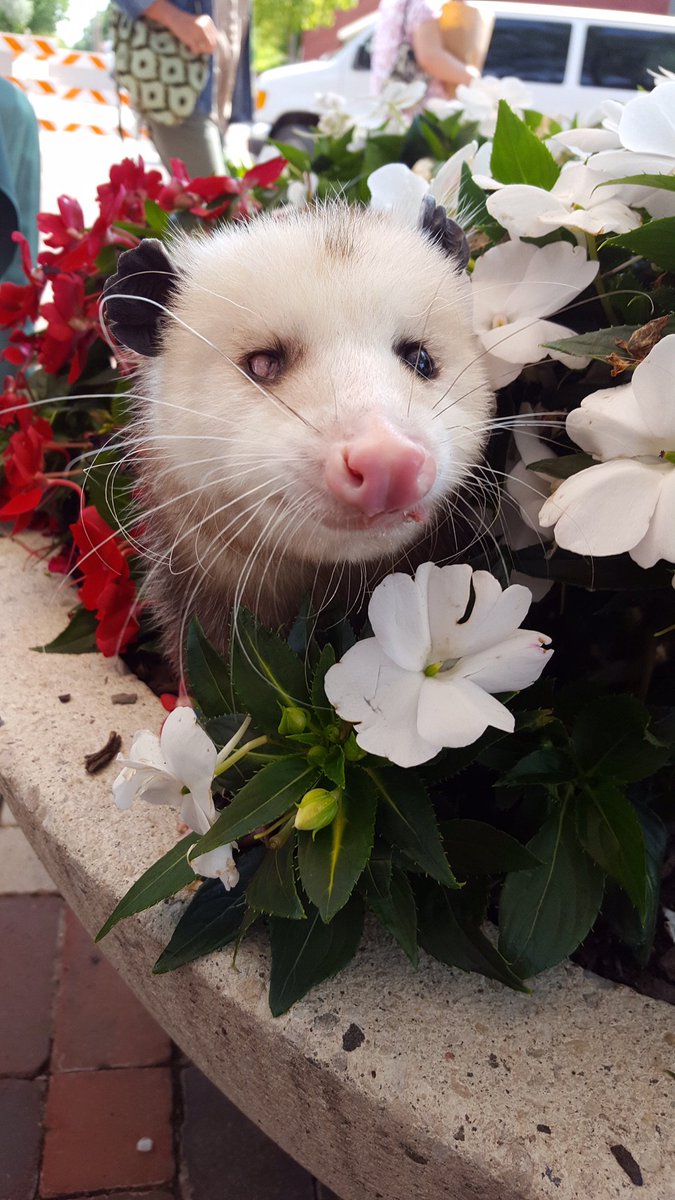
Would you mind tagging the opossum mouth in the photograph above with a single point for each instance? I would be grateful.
(360, 522)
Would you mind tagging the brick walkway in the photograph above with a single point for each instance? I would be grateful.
(95, 1101)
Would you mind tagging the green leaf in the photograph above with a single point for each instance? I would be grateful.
(333, 766)
(273, 888)
(157, 219)
(305, 953)
(609, 740)
(476, 848)
(563, 466)
(210, 682)
(637, 933)
(110, 489)
(598, 344)
(266, 674)
(268, 795)
(472, 208)
(518, 156)
(376, 878)
(651, 181)
(655, 241)
(298, 158)
(332, 860)
(320, 703)
(547, 765)
(79, 636)
(398, 913)
(545, 913)
(449, 933)
(211, 921)
(609, 830)
(164, 878)
(407, 820)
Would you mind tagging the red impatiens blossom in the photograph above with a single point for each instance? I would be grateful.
(13, 399)
(130, 185)
(24, 464)
(20, 302)
(107, 588)
(199, 195)
(72, 327)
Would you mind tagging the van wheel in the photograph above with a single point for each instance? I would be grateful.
(294, 134)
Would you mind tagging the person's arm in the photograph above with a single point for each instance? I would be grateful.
(433, 58)
(198, 32)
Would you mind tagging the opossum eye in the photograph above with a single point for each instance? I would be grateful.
(264, 364)
(417, 358)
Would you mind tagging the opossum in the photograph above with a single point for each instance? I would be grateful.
(310, 398)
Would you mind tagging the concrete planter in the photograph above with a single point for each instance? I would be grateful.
(389, 1084)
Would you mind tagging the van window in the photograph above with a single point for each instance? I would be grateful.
(621, 58)
(362, 57)
(535, 50)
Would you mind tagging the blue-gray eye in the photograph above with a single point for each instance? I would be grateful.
(417, 358)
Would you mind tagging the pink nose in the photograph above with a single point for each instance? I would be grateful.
(379, 470)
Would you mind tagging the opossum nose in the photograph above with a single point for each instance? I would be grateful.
(380, 470)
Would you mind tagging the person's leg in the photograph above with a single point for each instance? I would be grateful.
(196, 141)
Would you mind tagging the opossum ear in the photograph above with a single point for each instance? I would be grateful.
(438, 226)
(135, 297)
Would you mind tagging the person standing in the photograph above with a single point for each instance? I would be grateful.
(206, 27)
(416, 24)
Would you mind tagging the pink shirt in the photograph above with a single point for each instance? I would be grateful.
(396, 21)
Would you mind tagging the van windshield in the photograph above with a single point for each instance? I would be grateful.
(530, 49)
(622, 58)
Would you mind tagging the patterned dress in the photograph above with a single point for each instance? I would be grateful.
(396, 21)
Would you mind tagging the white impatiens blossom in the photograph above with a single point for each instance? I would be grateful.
(177, 769)
(480, 100)
(515, 287)
(426, 679)
(395, 188)
(577, 201)
(626, 502)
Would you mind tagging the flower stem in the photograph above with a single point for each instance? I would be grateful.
(240, 753)
(598, 284)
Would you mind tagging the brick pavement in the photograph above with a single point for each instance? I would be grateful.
(95, 1101)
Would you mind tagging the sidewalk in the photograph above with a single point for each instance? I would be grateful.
(95, 1100)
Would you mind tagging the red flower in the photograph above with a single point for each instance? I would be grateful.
(107, 587)
(20, 302)
(24, 464)
(72, 326)
(199, 195)
(130, 185)
(12, 400)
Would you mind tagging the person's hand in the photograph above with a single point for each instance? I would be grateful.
(197, 32)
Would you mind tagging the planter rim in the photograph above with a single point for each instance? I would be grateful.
(385, 1082)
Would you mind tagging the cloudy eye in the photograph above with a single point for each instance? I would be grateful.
(417, 358)
(264, 364)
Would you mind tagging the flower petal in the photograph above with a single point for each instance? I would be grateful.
(659, 541)
(521, 208)
(648, 122)
(190, 754)
(395, 188)
(513, 664)
(448, 591)
(399, 618)
(367, 688)
(654, 388)
(145, 751)
(454, 712)
(609, 424)
(605, 509)
(556, 274)
(494, 616)
(217, 864)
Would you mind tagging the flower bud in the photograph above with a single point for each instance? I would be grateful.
(317, 809)
(317, 755)
(293, 720)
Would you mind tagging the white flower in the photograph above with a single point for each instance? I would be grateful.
(646, 137)
(335, 120)
(300, 192)
(217, 864)
(515, 286)
(527, 488)
(480, 100)
(425, 680)
(627, 501)
(395, 188)
(578, 201)
(175, 768)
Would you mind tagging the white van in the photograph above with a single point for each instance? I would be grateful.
(570, 58)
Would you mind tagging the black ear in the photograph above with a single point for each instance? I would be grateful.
(438, 226)
(145, 280)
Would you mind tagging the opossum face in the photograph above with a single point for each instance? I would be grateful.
(316, 387)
